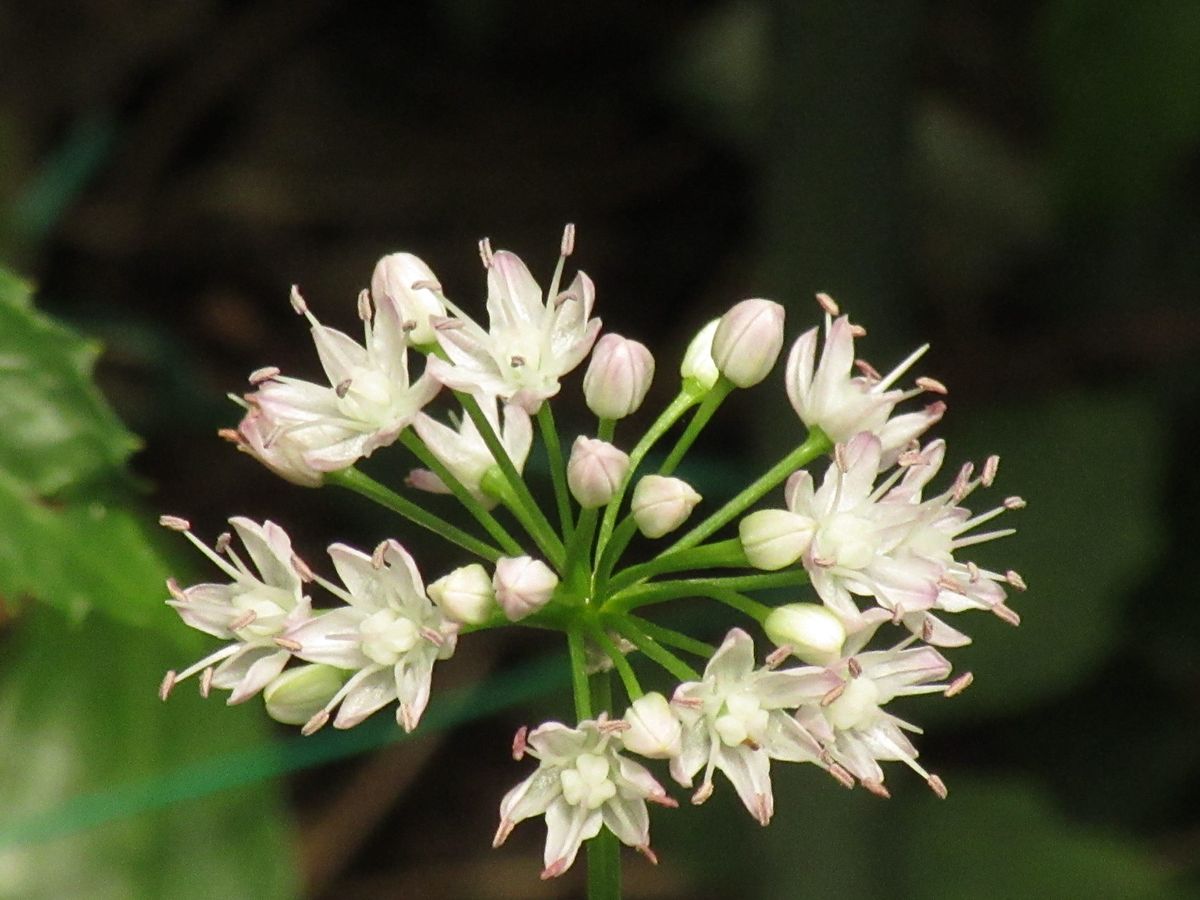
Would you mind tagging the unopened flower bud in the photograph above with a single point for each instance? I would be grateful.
(660, 505)
(618, 377)
(523, 585)
(300, 693)
(654, 730)
(748, 340)
(595, 471)
(405, 281)
(698, 369)
(774, 538)
(813, 633)
(465, 595)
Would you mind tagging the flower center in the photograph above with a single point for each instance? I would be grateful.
(387, 636)
(587, 783)
(847, 539)
(857, 707)
(743, 718)
(369, 397)
(269, 605)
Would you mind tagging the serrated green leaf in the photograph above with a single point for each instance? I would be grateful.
(78, 714)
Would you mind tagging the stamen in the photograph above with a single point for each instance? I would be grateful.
(703, 793)
(343, 388)
(904, 366)
(828, 304)
(408, 325)
(927, 630)
(517, 361)
(1006, 614)
(612, 726)
(871, 373)
(854, 666)
(306, 574)
(938, 786)
(175, 523)
(244, 620)
(982, 538)
(990, 467)
(833, 693)
(568, 240)
(224, 539)
(176, 591)
(909, 458)
(959, 684)
(932, 385)
(297, 301)
(316, 723)
(1013, 503)
(266, 373)
(962, 482)
(841, 775)
(377, 556)
(164, 688)
(777, 656)
(857, 331)
(1014, 578)
(230, 434)
(288, 644)
(485, 253)
(825, 562)
(972, 573)
(877, 788)
(206, 678)
(519, 745)
(364, 305)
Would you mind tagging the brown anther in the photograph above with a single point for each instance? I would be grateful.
(703, 793)
(687, 702)
(221, 544)
(176, 591)
(828, 304)
(938, 787)
(206, 678)
(1013, 503)
(316, 723)
(1014, 578)
(297, 301)
(567, 247)
(408, 325)
(841, 775)
(302, 569)
(175, 523)
(645, 850)
(868, 370)
(932, 385)
(364, 305)
(833, 693)
(751, 744)
(990, 467)
(857, 331)
(165, 686)
(959, 684)
(1007, 615)
(291, 646)
(612, 726)
(777, 656)
(343, 388)
(266, 373)
(519, 744)
(825, 562)
(877, 788)
(485, 253)
(247, 618)
(854, 666)
(516, 361)
(927, 630)
(972, 573)
(377, 555)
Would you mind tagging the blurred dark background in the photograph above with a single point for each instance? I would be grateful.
(1016, 183)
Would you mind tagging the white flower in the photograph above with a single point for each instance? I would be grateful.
(582, 783)
(854, 728)
(748, 340)
(809, 631)
(661, 504)
(826, 395)
(404, 281)
(390, 634)
(595, 470)
(618, 377)
(531, 342)
(736, 720)
(774, 538)
(523, 585)
(257, 612)
(465, 595)
(299, 428)
(463, 451)
(300, 692)
(654, 730)
(698, 369)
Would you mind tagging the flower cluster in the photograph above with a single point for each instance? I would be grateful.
(876, 544)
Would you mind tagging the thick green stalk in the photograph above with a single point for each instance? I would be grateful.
(723, 554)
(579, 676)
(708, 406)
(661, 591)
(816, 445)
(558, 469)
(368, 487)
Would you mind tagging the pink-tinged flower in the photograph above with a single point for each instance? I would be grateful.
(736, 720)
(523, 585)
(661, 504)
(257, 611)
(389, 634)
(531, 341)
(463, 451)
(748, 340)
(618, 377)
(582, 783)
(405, 282)
(301, 429)
(856, 732)
(827, 395)
(595, 470)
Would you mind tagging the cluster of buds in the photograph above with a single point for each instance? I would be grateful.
(872, 542)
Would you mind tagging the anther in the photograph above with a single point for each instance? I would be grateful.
(972, 573)
(854, 666)
(568, 240)
(176, 591)
(857, 331)
(1014, 578)
(517, 361)
(938, 786)
(408, 325)
(316, 723)
(1007, 615)
(175, 523)
(519, 744)
(206, 678)
(664, 799)
(224, 539)
(230, 434)
(927, 630)
(297, 301)
(932, 385)
(485, 253)
(343, 388)
(645, 850)
(288, 644)
(612, 726)
(827, 303)
(377, 556)
(833, 693)
(825, 562)
(876, 788)
(868, 370)
(302, 569)
(776, 657)
(703, 793)
(168, 682)
(364, 305)
(909, 458)
(1013, 503)
(990, 467)
(266, 373)
(959, 684)
(841, 776)
(247, 618)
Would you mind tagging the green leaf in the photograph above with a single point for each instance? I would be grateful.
(78, 714)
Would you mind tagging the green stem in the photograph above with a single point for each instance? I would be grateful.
(743, 604)
(558, 470)
(497, 486)
(661, 591)
(653, 650)
(464, 496)
(816, 445)
(628, 678)
(606, 429)
(711, 403)
(579, 547)
(603, 851)
(579, 676)
(672, 638)
(662, 424)
(368, 487)
(722, 554)
(620, 540)
(530, 514)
